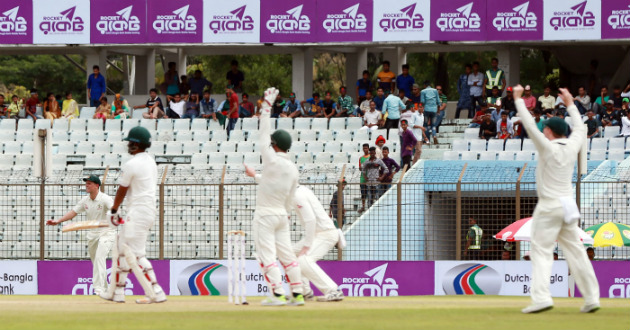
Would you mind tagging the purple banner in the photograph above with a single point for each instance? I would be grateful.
(16, 19)
(381, 278)
(514, 20)
(461, 20)
(75, 277)
(118, 21)
(287, 20)
(175, 21)
(613, 278)
(344, 20)
(615, 19)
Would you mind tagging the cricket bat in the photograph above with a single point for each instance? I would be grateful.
(82, 225)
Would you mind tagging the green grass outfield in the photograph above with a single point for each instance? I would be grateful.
(419, 312)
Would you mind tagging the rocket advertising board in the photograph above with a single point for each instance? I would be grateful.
(61, 22)
(119, 21)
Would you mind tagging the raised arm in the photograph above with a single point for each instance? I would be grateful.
(539, 139)
(578, 132)
(265, 126)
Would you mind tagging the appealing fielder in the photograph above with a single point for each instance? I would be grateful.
(137, 184)
(100, 240)
(556, 213)
(274, 200)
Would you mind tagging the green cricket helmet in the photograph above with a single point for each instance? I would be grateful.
(282, 139)
(139, 135)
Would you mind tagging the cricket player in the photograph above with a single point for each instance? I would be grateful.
(137, 183)
(274, 201)
(556, 214)
(100, 240)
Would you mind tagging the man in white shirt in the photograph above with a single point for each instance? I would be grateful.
(176, 106)
(100, 240)
(475, 82)
(364, 107)
(547, 101)
(417, 127)
(583, 101)
(372, 118)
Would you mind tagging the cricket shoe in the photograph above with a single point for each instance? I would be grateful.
(296, 301)
(118, 296)
(274, 301)
(160, 297)
(537, 308)
(309, 296)
(590, 308)
(331, 296)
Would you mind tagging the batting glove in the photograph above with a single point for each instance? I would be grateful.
(115, 218)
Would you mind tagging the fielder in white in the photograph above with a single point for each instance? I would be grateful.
(100, 240)
(137, 184)
(556, 214)
(274, 201)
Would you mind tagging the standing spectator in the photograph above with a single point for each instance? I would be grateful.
(198, 83)
(235, 77)
(507, 103)
(600, 101)
(316, 106)
(386, 78)
(392, 167)
(15, 106)
(4, 113)
(505, 127)
(344, 103)
(430, 98)
(464, 93)
(530, 100)
(364, 85)
(379, 99)
(69, 107)
(473, 240)
(247, 108)
(51, 107)
(96, 86)
(232, 113)
(592, 125)
(488, 128)
(192, 106)
(328, 107)
(475, 81)
(392, 107)
(104, 110)
(335, 206)
(362, 180)
(547, 101)
(403, 98)
(583, 101)
(171, 80)
(372, 119)
(404, 80)
(616, 98)
(415, 94)
(120, 107)
(292, 109)
(208, 110)
(408, 143)
(441, 110)
(30, 109)
(176, 106)
(155, 108)
(364, 107)
(184, 87)
(277, 109)
(380, 142)
(625, 124)
(407, 116)
(610, 117)
(494, 77)
(372, 170)
(417, 127)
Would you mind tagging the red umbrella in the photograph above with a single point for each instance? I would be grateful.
(521, 230)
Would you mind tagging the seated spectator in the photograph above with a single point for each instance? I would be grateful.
(316, 106)
(505, 127)
(235, 77)
(328, 107)
(540, 122)
(104, 110)
(207, 108)
(364, 85)
(583, 101)
(386, 78)
(507, 103)
(372, 170)
(364, 107)
(154, 106)
(15, 106)
(560, 105)
(401, 95)
(496, 113)
(479, 115)
(624, 104)
(277, 108)
(30, 108)
(259, 103)
(192, 106)
(408, 143)
(392, 167)
(625, 124)
(610, 117)
(494, 98)
(184, 87)
(380, 142)
(530, 100)
(626, 92)
(592, 125)
(4, 112)
(600, 101)
(488, 128)
(372, 119)
(198, 84)
(547, 100)
(246, 108)
(292, 109)
(344, 103)
(379, 99)
(51, 107)
(176, 106)
(120, 107)
(70, 107)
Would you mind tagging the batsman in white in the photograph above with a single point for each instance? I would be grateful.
(138, 181)
(100, 240)
(556, 214)
(274, 201)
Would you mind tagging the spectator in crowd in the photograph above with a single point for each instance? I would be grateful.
(380, 142)
(120, 107)
(408, 143)
(392, 167)
(192, 106)
(430, 98)
(51, 107)
(372, 119)
(592, 125)
(625, 124)
(344, 103)
(392, 108)
(277, 108)
(155, 108)
(372, 169)
(184, 87)
(505, 127)
(15, 106)
(616, 98)
(69, 107)
(560, 104)
(547, 101)
(364, 85)
(583, 101)
(96, 87)
(479, 115)
(506, 255)
(507, 103)
(590, 252)
(540, 122)
(464, 93)
(379, 99)
(594, 79)
(198, 84)
(405, 81)
(104, 110)
(610, 117)
(475, 82)
(600, 101)
(488, 128)
(401, 94)
(171, 80)
(362, 180)
(335, 206)
(624, 104)
(494, 98)
(176, 106)
(407, 116)
(495, 111)
(207, 108)
(473, 240)
(235, 77)
(415, 94)
(530, 100)
(441, 110)
(232, 113)
(494, 77)
(316, 106)
(30, 108)
(329, 106)
(364, 107)
(247, 108)
(386, 78)
(417, 127)
(292, 109)
(4, 113)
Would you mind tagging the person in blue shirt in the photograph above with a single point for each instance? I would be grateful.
(379, 99)
(393, 107)
(464, 93)
(430, 97)
(316, 103)
(292, 107)
(96, 87)
(198, 83)
(363, 85)
(404, 81)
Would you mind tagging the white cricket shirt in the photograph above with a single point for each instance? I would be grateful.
(95, 209)
(312, 214)
(140, 175)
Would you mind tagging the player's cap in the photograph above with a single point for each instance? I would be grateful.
(626, 100)
(528, 88)
(509, 89)
(281, 139)
(610, 102)
(292, 95)
(139, 134)
(557, 125)
(93, 178)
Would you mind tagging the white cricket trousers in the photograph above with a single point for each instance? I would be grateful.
(135, 230)
(323, 242)
(99, 245)
(273, 240)
(548, 226)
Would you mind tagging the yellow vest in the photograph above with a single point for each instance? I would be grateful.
(476, 244)
(496, 80)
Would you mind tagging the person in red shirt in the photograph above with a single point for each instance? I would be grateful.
(247, 108)
(479, 115)
(233, 111)
(31, 106)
